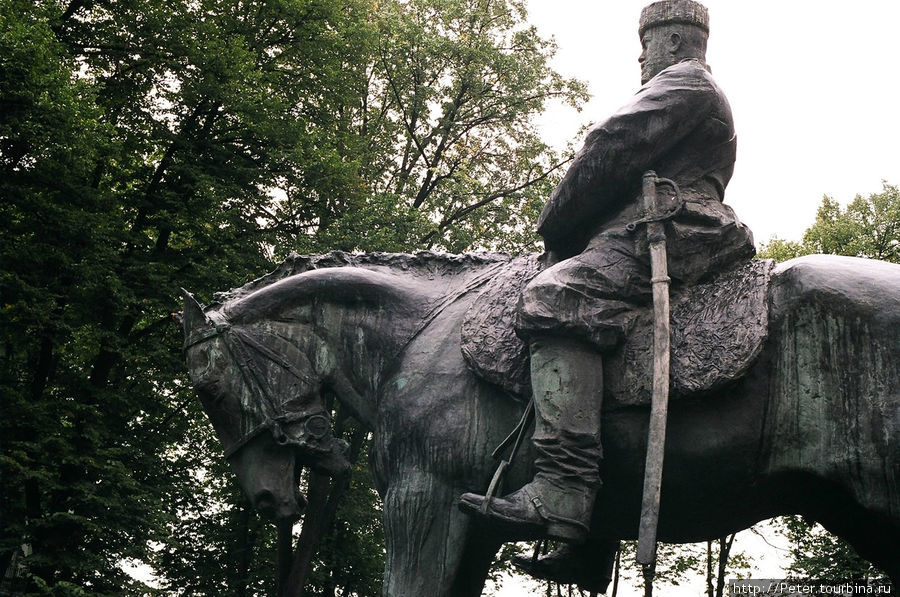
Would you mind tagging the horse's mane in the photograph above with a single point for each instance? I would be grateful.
(351, 277)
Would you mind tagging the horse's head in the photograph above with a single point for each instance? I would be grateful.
(261, 387)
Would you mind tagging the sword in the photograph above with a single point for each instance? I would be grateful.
(656, 440)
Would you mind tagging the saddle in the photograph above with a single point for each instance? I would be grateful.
(718, 328)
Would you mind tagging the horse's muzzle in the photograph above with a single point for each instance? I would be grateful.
(332, 462)
(272, 508)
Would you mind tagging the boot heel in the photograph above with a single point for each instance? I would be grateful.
(566, 532)
(558, 527)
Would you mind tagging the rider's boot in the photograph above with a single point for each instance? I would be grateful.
(567, 382)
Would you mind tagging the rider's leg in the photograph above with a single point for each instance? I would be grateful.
(567, 382)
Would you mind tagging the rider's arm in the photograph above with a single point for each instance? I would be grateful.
(607, 171)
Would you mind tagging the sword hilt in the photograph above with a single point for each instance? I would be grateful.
(651, 208)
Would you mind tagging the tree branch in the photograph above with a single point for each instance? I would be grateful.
(464, 211)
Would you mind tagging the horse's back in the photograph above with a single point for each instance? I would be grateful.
(865, 286)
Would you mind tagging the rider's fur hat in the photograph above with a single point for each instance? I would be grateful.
(686, 12)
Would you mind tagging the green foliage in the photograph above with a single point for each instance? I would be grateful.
(815, 553)
(674, 563)
(722, 564)
(677, 563)
(781, 250)
(138, 145)
(209, 522)
(868, 227)
(146, 146)
(62, 473)
(445, 130)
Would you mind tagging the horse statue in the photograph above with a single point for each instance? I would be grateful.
(808, 424)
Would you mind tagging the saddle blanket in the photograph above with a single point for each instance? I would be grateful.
(718, 329)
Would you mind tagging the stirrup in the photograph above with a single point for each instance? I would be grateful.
(515, 436)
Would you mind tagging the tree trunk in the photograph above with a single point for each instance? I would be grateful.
(725, 544)
(615, 587)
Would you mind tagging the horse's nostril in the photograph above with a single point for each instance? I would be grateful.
(264, 502)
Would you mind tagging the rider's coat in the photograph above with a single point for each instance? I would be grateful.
(679, 124)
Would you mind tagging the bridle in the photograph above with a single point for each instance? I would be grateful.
(241, 346)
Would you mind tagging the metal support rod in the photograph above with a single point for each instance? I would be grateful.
(656, 439)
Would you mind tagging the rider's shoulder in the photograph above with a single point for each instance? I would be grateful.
(690, 73)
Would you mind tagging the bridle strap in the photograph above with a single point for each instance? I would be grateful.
(275, 425)
(242, 357)
(195, 338)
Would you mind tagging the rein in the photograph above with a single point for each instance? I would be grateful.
(475, 283)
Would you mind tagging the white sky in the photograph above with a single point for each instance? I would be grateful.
(813, 86)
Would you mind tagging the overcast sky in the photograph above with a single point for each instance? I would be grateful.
(813, 86)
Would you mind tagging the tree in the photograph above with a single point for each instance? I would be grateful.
(209, 522)
(868, 227)
(815, 553)
(446, 137)
(59, 470)
(676, 562)
(147, 146)
(139, 143)
(781, 250)
(722, 563)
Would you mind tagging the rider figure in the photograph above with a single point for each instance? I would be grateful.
(580, 307)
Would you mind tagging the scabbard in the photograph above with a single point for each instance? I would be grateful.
(656, 440)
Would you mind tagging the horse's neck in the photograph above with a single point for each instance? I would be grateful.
(364, 318)
(369, 338)
(364, 346)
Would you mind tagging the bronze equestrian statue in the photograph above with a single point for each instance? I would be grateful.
(785, 380)
(809, 425)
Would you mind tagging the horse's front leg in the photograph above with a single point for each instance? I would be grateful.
(431, 549)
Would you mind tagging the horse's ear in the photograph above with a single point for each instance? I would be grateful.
(193, 317)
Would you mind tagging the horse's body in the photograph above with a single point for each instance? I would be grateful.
(813, 427)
